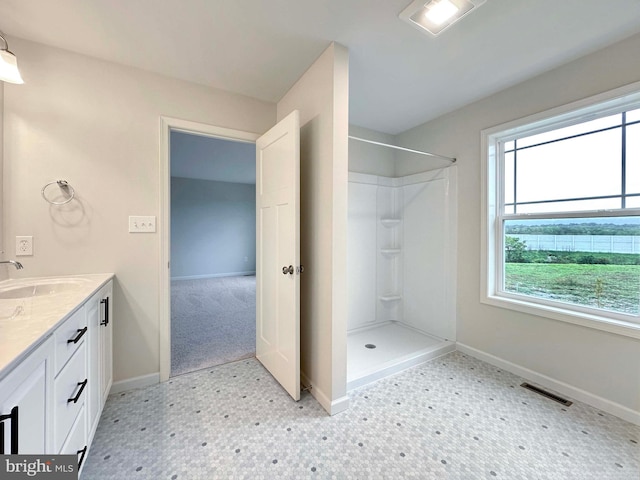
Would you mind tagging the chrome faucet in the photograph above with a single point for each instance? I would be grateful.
(18, 265)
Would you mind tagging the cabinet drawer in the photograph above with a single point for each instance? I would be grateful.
(76, 443)
(68, 337)
(70, 393)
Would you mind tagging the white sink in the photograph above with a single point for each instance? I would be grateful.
(36, 289)
(11, 309)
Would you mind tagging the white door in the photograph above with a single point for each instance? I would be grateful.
(278, 252)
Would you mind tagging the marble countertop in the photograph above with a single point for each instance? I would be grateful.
(27, 322)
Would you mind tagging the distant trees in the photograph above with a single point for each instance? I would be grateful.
(514, 249)
(574, 229)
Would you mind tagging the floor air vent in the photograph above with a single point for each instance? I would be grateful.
(549, 395)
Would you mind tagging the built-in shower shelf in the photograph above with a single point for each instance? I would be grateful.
(390, 252)
(390, 222)
(390, 298)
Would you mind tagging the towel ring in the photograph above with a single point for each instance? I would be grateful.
(63, 184)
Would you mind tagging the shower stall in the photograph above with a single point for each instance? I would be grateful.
(401, 260)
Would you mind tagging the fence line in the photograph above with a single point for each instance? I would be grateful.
(582, 243)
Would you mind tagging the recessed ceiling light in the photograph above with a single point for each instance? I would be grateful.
(435, 16)
(440, 12)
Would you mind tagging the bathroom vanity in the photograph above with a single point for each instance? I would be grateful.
(55, 362)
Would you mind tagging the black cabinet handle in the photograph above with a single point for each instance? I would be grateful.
(76, 339)
(77, 397)
(105, 302)
(13, 416)
(83, 452)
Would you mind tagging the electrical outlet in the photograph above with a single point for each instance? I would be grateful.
(142, 224)
(24, 246)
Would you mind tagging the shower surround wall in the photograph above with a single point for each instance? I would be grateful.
(400, 259)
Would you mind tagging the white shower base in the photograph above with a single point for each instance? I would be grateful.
(397, 347)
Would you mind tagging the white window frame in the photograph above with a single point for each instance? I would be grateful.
(492, 139)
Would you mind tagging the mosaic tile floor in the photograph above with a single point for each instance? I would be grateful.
(453, 418)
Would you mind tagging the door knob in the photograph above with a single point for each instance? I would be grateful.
(288, 270)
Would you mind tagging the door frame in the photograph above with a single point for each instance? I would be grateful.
(167, 124)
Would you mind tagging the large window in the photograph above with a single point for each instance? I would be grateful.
(562, 213)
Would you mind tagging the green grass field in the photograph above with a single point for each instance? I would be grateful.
(612, 287)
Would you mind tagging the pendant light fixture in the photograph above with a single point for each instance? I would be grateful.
(8, 64)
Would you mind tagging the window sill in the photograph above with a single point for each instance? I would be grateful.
(597, 322)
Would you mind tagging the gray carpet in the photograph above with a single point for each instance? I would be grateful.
(213, 321)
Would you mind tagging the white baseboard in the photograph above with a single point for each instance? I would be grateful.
(339, 405)
(561, 387)
(332, 407)
(215, 275)
(136, 382)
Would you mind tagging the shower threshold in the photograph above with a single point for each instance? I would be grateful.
(385, 349)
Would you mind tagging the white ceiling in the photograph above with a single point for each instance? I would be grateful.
(400, 78)
(208, 158)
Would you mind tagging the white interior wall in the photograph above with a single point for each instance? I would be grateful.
(322, 97)
(362, 253)
(428, 201)
(96, 124)
(368, 274)
(388, 261)
(602, 367)
(411, 259)
(369, 158)
(381, 185)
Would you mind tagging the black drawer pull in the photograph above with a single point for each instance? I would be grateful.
(13, 416)
(105, 302)
(83, 452)
(77, 397)
(81, 332)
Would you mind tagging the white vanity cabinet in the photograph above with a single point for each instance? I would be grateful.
(52, 399)
(70, 385)
(100, 365)
(23, 404)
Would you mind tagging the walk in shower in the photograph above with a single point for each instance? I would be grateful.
(401, 260)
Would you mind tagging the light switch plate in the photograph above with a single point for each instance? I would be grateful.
(24, 246)
(142, 224)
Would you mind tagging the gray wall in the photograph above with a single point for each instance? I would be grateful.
(213, 228)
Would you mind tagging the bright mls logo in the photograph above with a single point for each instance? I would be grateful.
(50, 467)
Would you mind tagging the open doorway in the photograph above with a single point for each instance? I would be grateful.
(213, 250)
